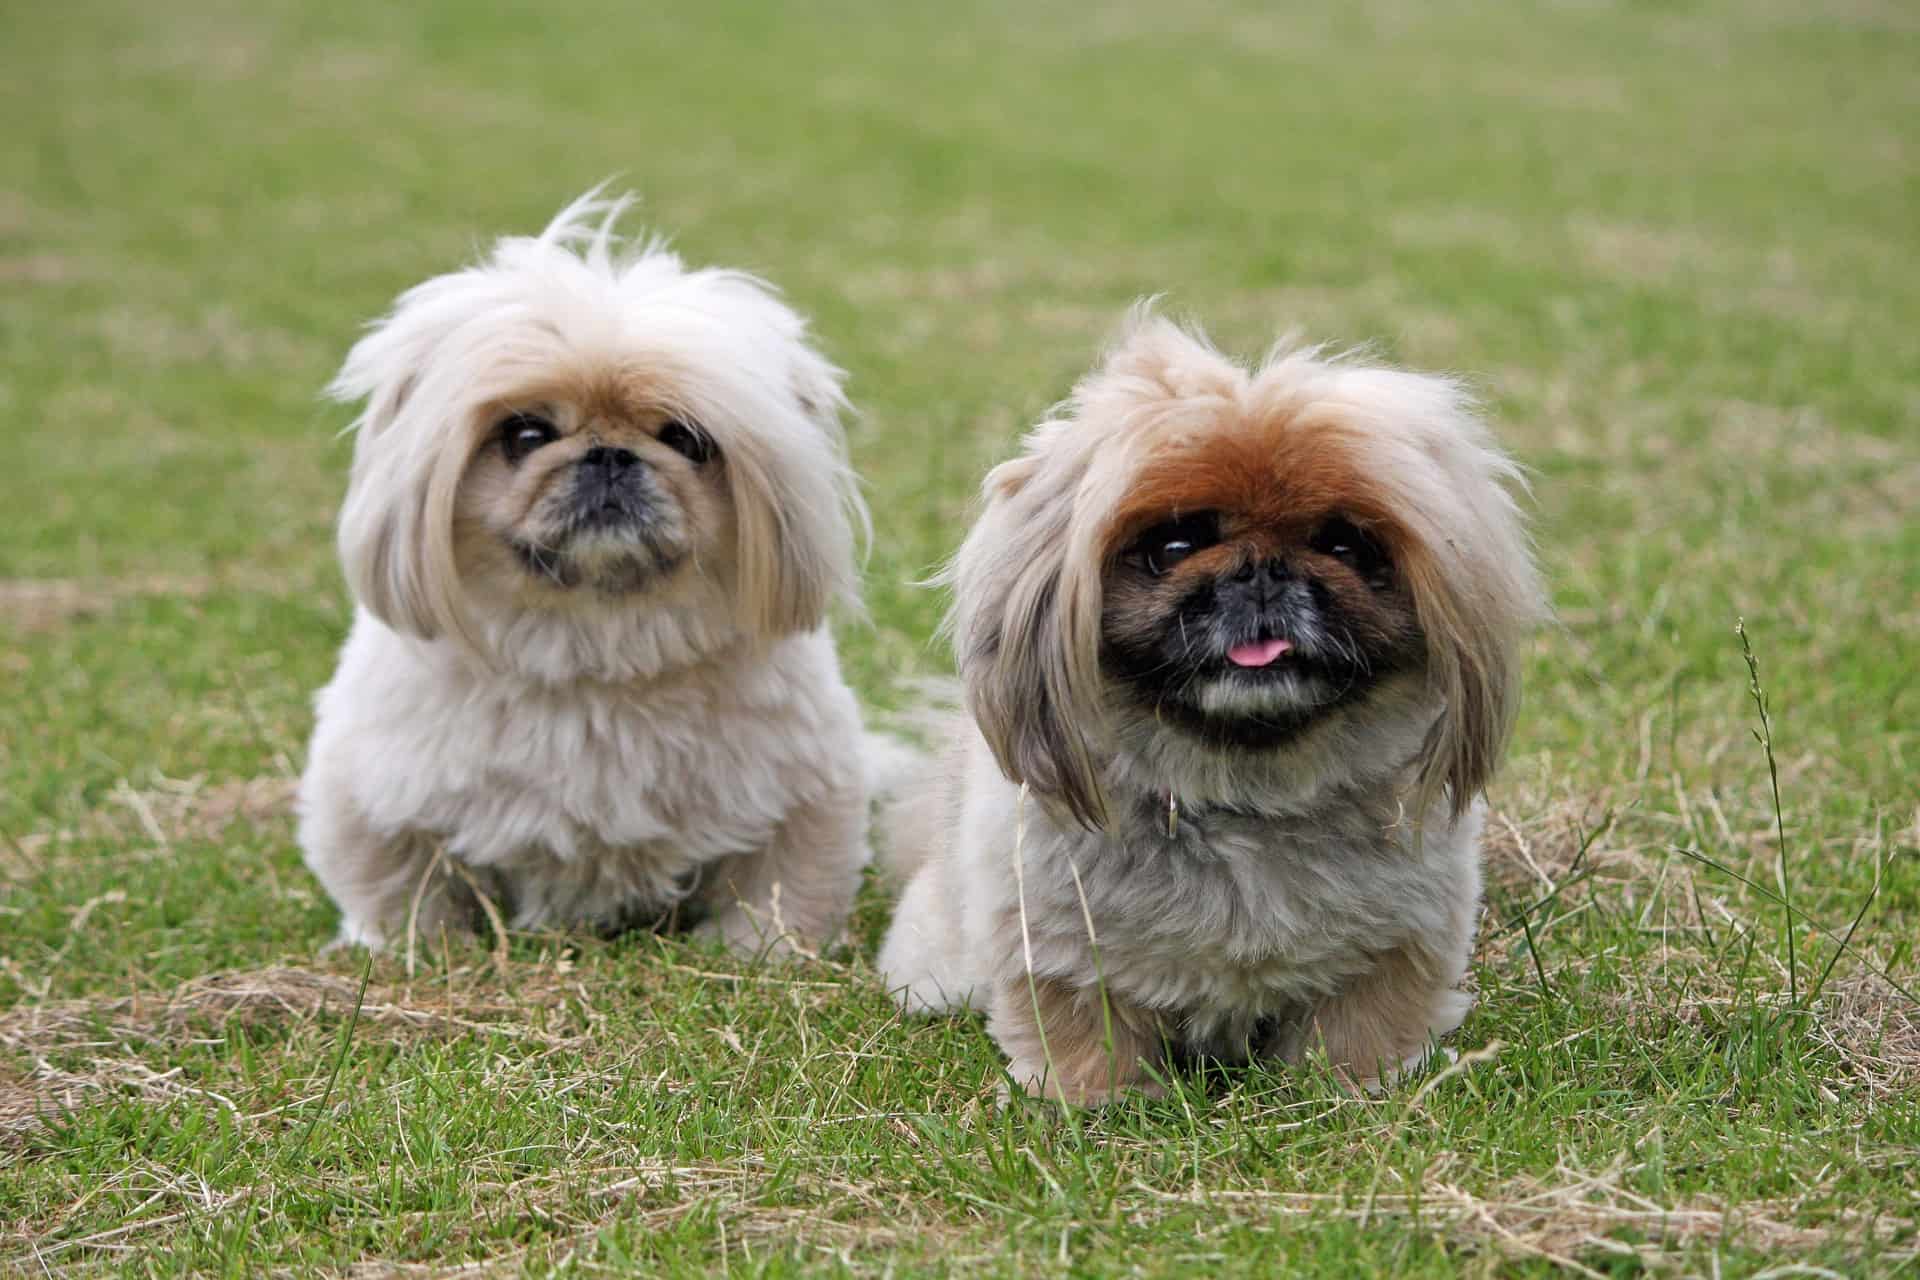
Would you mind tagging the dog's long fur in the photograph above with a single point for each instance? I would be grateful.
(1318, 890)
(636, 726)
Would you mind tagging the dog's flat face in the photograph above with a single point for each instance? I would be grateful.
(1194, 561)
(578, 454)
(592, 487)
(1251, 586)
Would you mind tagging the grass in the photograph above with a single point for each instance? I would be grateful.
(1674, 242)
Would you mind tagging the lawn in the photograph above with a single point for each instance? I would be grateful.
(1673, 244)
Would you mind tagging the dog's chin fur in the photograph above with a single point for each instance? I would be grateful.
(1273, 870)
(589, 674)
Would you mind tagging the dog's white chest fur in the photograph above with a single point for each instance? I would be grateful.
(585, 800)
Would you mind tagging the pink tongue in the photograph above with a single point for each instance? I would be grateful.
(1257, 655)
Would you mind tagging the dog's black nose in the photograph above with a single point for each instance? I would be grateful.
(609, 459)
(1267, 571)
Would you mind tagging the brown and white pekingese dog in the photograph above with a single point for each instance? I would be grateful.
(1240, 649)
(599, 510)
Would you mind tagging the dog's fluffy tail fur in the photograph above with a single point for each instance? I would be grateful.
(913, 776)
(890, 762)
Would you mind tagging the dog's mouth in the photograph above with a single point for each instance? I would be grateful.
(1260, 653)
(613, 532)
(1262, 692)
(611, 513)
(628, 504)
(1245, 706)
(1273, 659)
(611, 565)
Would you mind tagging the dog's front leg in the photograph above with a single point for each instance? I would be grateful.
(1385, 1023)
(794, 894)
(1072, 1044)
(385, 884)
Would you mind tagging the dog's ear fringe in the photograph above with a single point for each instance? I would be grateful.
(1473, 669)
(796, 549)
(1477, 595)
(802, 524)
(1025, 623)
(395, 531)
(396, 545)
(1016, 682)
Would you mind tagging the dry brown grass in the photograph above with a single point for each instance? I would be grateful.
(31, 605)
(157, 816)
(1598, 854)
(1577, 1219)
(190, 808)
(1874, 1029)
(841, 1216)
(1580, 1214)
(285, 994)
(80, 1050)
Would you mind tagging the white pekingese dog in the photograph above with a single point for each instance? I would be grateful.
(600, 508)
(1241, 650)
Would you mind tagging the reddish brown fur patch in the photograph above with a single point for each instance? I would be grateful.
(1272, 482)
(1073, 1044)
(1388, 1017)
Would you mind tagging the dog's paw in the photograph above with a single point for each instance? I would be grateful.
(356, 934)
(746, 934)
(927, 997)
(1038, 1085)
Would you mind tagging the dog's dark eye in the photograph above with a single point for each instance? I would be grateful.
(1346, 541)
(1166, 545)
(522, 433)
(687, 440)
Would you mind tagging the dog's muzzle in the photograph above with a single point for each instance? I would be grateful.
(611, 487)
